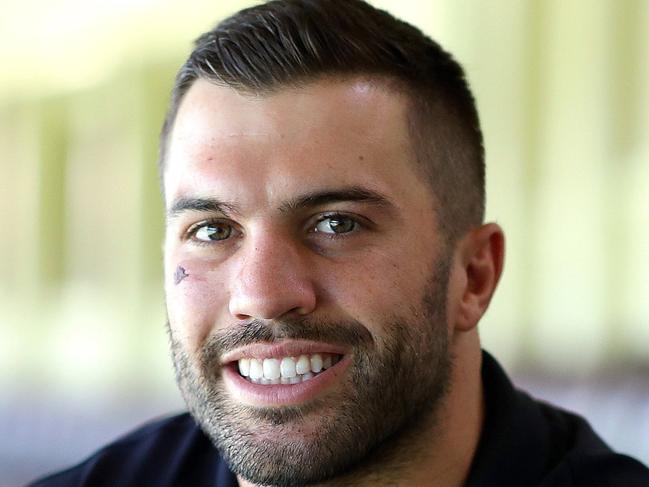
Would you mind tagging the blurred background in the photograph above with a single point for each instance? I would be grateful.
(563, 91)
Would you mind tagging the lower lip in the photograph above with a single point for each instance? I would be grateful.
(282, 394)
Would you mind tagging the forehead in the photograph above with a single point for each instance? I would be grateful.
(261, 148)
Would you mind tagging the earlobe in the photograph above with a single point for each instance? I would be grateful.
(482, 259)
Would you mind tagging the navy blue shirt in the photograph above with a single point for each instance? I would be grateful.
(523, 443)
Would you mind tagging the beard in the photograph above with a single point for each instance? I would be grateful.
(395, 384)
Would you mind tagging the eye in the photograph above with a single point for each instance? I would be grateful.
(210, 231)
(336, 224)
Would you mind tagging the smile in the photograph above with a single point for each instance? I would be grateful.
(286, 370)
(288, 373)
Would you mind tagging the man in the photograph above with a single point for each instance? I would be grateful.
(326, 267)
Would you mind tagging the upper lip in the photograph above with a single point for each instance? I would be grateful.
(288, 348)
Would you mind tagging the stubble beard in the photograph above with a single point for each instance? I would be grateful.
(396, 382)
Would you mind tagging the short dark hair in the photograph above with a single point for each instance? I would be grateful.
(293, 42)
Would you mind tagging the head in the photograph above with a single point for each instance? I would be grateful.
(291, 43)
(325, 256)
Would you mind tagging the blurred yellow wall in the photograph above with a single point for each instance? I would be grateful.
(563, 91)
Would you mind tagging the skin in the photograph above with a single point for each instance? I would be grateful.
(257, 154)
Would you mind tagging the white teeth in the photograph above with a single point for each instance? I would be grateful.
(244, 367)
(287, 370)
(287, 367)
(256, 369)
(303, 365)
(271, 369)
(316, 362)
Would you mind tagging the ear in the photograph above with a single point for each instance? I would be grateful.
(480, 257)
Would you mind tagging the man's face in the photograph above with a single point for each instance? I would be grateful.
(306, 282)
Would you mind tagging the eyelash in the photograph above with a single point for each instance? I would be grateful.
(339, 216)
(191, 232)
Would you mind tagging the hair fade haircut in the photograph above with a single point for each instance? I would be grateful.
(289, 43)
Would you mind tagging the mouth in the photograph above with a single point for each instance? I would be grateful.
(286, 370)
(288, 373)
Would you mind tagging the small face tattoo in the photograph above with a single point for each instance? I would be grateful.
(180, 275)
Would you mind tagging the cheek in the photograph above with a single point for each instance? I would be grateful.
(195, 297)
(374, 287)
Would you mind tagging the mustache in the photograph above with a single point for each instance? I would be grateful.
(350, 333)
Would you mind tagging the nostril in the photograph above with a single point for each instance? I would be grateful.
(272, 305)
(300, 310)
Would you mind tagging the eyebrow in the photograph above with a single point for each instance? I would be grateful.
(205, 205)
(319, 198)
(308, 200)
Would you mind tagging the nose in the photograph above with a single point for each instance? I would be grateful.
(272, 280)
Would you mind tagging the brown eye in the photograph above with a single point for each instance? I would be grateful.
(210, 232)
(336, 225)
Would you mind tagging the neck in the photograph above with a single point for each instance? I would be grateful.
(436, 451)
